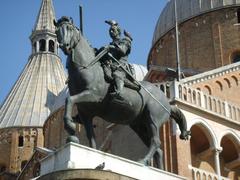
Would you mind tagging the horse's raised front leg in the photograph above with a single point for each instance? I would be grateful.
(85, 96)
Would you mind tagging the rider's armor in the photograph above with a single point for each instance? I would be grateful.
(116, 69)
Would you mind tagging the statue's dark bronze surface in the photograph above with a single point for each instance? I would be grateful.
(92, 93)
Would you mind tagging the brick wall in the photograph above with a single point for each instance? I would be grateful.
(14, 154)
(206, 42)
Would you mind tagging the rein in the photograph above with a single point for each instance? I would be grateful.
(94, 61)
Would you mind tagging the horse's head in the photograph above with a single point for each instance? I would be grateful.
(67, 34)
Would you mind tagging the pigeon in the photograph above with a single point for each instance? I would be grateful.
(100, 166)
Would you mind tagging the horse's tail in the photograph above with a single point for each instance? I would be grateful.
(180, 119)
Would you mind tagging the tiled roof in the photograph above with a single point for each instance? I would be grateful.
(46, 16)
(33, 95)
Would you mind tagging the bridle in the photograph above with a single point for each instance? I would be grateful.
(72, 49)
(72, 28)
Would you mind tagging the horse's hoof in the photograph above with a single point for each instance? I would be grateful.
(73, 139)
(185, 135)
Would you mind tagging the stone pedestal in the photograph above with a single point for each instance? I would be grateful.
(77, 161)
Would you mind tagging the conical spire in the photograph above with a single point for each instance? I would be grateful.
(45, 17)
(32, 97)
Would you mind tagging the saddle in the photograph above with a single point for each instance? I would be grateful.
(131, 84)
(129, 81)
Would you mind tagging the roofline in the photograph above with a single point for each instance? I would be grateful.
(223, 69)
(184, 69)
(15, 127)
(51, 115)
(41, 53)
(41, 32)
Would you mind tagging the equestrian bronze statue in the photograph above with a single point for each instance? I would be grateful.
(143, 107)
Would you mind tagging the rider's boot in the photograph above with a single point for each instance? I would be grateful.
(107, 73)
(119, 83)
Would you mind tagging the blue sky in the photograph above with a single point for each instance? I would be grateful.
(18, 17)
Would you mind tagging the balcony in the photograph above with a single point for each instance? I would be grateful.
(199, 174)
(180, 92)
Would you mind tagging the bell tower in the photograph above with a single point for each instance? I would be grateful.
(29, 103)
(43, 37)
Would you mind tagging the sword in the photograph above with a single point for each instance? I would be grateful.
(98, 57)
(95, 60)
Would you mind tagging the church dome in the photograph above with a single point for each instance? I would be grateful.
(186, 9)
(140, 71)
(208, 38)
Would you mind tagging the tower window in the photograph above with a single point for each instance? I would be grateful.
(20, 141)
(238, 15)
(51, 46)
(42, 45)
(35, 47)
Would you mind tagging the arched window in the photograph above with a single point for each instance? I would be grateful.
(23, 164)
(227, 82)
(51, 46)
(219, 85)
(235, 80)
(20, 141)
(35, 47)
(207, 89)
(235, 57)
(162, 88)
(42, 45)
(238, 15)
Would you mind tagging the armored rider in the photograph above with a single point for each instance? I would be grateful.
(119, 48)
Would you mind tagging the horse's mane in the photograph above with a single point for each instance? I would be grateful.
(88, 49)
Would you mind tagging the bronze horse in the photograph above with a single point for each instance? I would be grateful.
(90, 92)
